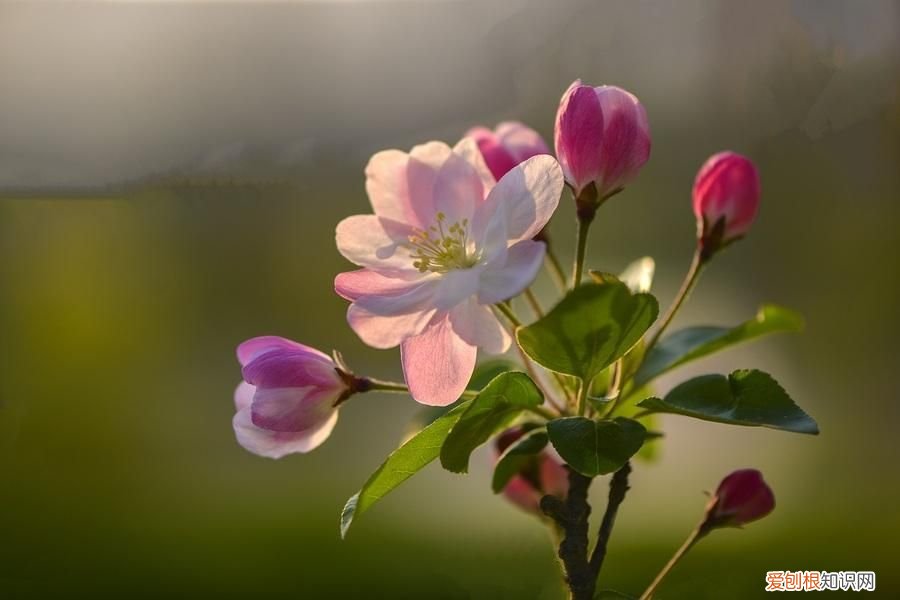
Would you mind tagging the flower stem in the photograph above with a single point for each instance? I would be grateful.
(554, 266)
(583, 391)
(692, 539)
(584, 226)
(571, 516)
(690, 279)
(509, 314)
(379, 385)
(533, 303)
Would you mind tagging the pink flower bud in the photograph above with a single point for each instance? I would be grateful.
(602, 136)
(508, 145)
(741, 498)
(726, 197)
(544, 475)
(287, 402)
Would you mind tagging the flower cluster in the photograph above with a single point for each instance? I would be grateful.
(456, 237)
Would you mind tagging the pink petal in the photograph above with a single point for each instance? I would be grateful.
(554, 477)
(292, 409)
(386, 331)
(469, 150)
(292, 368)
(388, 187)
(370, 241)
(437, 364)
(520, 492)
(425, 162)
(253, 347)
(353, 285)
(525, 199)
(625, 146)
(521, 141)
(456, 286)
(523, 261)
(458, 188)
(498, 159)
(578, 132)
(243, 395)
(477, 325)
(274, 444)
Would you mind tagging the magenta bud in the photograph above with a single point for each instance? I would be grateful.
(602, 136)
(741, 498)
(545, 475)
(506, 146)
(726, 198)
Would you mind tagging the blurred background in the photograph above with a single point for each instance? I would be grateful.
(170, 178)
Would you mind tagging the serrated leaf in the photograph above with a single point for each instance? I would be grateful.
(596, 447)
(747, 397)
(517, 457)
(589, 329)
(495, 408)
(403, 463)
(696, 342)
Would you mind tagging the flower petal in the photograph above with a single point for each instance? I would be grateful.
(386, 331)
(388, 187)
(458, 187)
(523, 261)
(455, 286)
(291, 409)
(370, 241)
(525, 198)
(477, 325)
(625, 146)
(353, 285)
(578, 132)
(521, 141)
(437, 364)
(243, 395)
(254, 347)
(292, 368)
(273, 444)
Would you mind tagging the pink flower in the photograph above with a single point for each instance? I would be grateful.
(286, 402)
(445, 243)
(726, 189)
(602, 136)
(508, 145)
(546, 475)
(741, 498)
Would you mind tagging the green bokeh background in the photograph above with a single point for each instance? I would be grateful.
(123, 293)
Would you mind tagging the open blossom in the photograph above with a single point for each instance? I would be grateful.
(742, 497)
(545, 475)
(726, 188)
(602, 136)
(507, 145)
(286, 402)
(445, 243)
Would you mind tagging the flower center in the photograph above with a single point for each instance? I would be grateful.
(440, 249)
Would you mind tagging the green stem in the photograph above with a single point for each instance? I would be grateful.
(687, 285)
(584, 225)
(379, 385)
(583, 391)
(543, 412)
(554, 266)
(534, 303)
(692, 539)
(509, 314)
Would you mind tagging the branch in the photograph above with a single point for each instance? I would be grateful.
(572, 517)
(618, 486)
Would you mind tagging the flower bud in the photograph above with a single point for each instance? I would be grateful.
(602, 137)
(726, 198)
(506, 146)
(288, 400)
(542, 476)
(742, 497)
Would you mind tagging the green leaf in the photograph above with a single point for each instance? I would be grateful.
(403, 463)
(746, 397)
(498, 404)
(589, 329)
(517, 457)
(596, 447)
(483, 374)
(696, 342)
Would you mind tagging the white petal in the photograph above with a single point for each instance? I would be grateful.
(380, 331)
(369, 241)
(477, 325)
(523, 262)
